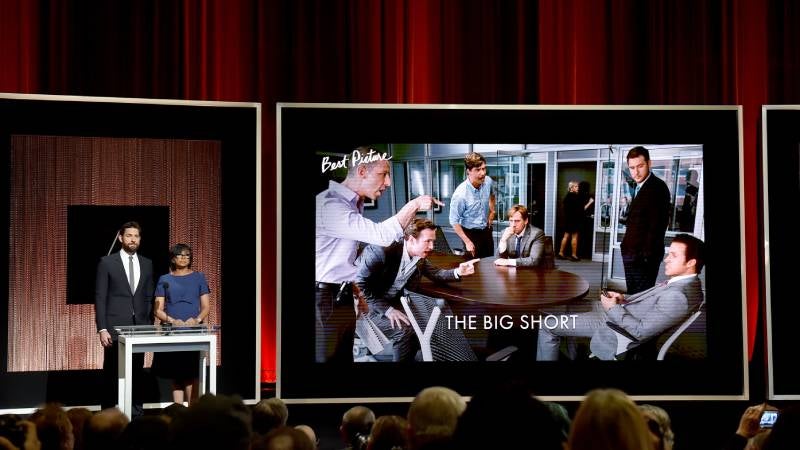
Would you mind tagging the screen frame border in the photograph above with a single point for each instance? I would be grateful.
(257, 139)
(280, 106)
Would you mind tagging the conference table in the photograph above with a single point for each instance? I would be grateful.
(496, 306)
(505, 288)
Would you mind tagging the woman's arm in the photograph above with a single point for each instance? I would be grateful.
(160, 313)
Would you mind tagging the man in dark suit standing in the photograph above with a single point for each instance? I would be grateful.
(384, 272)
(123, 296)
(648, 217)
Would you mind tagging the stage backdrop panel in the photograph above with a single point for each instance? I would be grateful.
(781, 169)
(50, 173)
(695, 150)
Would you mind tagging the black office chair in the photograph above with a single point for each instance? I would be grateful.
(440, 245)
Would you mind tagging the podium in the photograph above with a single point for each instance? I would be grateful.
(161, 338)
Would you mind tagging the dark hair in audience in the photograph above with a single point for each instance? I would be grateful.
(213, 421)
(174, 411)
(103, 430)
(695, 249)
(638, 151)
(659, 424)
(785, 434)
(416, 226)
(283, 438)
(146, 433)
(561, 417)
(78, 417)
(507, 417)
(53, 427)
(357, 425)
(388, 433)
(268, 414)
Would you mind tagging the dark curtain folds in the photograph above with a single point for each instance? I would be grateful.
(414, 51)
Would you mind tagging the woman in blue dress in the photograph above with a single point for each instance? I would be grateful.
(181, 299)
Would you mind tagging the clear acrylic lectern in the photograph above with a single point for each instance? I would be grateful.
(165, 338)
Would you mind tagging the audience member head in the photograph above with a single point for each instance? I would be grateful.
(512, 410)
(785, 433)
(268, 414)
(308, 431)
(562, 419)
(53, 428)
(213, 421)
(660, 426)
(608, 420)
(356, 425)
(389, 432)
(433, 415)
(174, 411)
(103, 430)
(78, 417)
(283, 438)
(146, 433)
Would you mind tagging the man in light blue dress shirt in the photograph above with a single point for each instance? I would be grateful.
(340, 226)
(472, 209)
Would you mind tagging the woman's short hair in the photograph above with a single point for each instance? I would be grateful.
(179, 249)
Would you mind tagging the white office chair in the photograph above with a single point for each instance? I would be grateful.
(678, 331)
(624, 339)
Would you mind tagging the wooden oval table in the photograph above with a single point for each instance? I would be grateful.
(506, 287)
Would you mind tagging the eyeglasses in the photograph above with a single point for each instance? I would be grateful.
(183, 256)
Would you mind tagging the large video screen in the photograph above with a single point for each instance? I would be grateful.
(567, 248)
(781, 155)
(76, 168)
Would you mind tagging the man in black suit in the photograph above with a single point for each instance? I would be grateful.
(123, 296)
(648, 217)
(383, 272)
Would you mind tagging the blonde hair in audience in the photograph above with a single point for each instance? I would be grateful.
(609, 420)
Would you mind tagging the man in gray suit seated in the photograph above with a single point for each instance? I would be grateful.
(383, 272)
(641, 316)
(521, 244)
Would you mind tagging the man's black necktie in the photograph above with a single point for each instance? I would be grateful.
(519, 247)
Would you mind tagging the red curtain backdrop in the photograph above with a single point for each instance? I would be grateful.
(415, 51)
